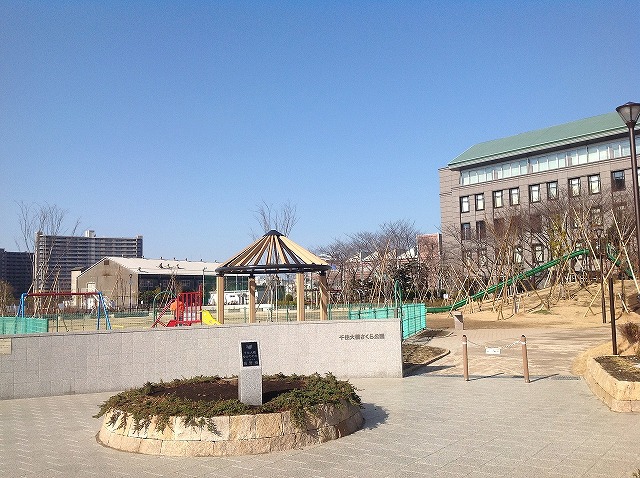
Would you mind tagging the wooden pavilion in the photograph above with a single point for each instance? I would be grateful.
(274, 253)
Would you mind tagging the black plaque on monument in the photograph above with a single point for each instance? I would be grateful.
(250, 357)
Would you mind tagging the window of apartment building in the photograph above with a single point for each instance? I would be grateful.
(619, 211)
(538, 253)
(596, 216)
(497, 199)
(535, 223)
(480, 202)
(574, 220)
(464, 204)
(514, 196)
(498, 226)
(517, 255)
(465, 231)
(574, 187)
(481, 230)
(552, 190)
(594, 184)
(467, 257)
(482, 257)
(617, 180)
(534, 193)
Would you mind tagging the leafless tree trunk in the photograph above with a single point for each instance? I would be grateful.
(41, 220)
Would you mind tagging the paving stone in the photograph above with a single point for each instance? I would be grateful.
(431, 423)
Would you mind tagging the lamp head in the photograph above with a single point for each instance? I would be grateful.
(629, 112)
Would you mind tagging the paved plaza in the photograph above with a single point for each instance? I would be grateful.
(429, 424)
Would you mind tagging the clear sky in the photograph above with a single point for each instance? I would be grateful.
(175, 120)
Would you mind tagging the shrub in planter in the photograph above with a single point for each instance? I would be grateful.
(299, 395)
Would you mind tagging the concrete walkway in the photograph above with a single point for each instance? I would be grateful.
(431, 424)
(550, 352)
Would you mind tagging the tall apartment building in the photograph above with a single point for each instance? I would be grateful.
(16, 269)
(57, 256)
(528, 175)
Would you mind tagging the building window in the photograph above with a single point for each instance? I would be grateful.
(497, 199)
(617, 180)
(619, 211)
(482, 257)
(534, 193)
(467, 258)
(594, 184)
(498, 227)
(514, 196)
(596, 216)
(480, 202)
(552, 190)
(465, 231)
(574, 220)
(517, 255)
(464, 204)
(481, 230)
(538, 253)
(574, 187)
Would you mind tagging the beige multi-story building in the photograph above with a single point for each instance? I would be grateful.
(57, 256)
(580, 168)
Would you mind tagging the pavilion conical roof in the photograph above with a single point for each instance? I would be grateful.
(273, 253)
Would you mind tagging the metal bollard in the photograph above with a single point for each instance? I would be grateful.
(525, 360)
(465, 358)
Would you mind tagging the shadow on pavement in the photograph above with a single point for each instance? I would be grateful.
(373, 416)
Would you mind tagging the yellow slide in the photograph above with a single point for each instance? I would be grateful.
(208, 319)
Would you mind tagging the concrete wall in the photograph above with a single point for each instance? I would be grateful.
(65, 363)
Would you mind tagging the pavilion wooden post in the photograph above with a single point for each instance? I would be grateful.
(324, 296)
(220, 298)
(252, 299)
(300, 295)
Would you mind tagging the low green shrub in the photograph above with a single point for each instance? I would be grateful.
(142, 404)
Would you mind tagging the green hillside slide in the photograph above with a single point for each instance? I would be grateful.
(508, 282)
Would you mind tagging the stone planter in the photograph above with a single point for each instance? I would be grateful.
(235, 434)
(620, 396)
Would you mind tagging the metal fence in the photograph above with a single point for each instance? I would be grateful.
(22, 325)
(413, 316)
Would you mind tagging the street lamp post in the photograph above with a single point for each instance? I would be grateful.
(629, 112)
(130, 283)
(599, 233)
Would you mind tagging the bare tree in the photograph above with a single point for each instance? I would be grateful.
(37, 220)
(367, 263)
(282, 219)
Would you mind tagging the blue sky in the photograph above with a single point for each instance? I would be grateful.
(175, 120)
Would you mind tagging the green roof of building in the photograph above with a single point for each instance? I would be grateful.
(535, 142)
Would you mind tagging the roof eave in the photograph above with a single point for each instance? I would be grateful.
(456, 164)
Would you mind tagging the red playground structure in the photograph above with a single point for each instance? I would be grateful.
(186, 309)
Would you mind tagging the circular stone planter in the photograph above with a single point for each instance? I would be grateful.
(618, 395)
(234, 434)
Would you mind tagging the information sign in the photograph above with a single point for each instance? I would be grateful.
(250, 355)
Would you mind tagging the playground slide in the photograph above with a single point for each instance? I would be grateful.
(208, 319)
(506, 283)
(613, 256)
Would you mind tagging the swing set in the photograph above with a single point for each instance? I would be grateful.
(93, 301)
